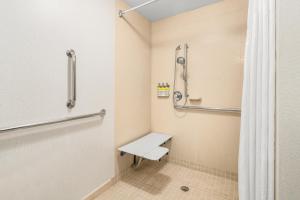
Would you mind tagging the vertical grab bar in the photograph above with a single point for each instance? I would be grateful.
(71, 78)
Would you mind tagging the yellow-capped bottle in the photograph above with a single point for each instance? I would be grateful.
(159, 89)
(168, 90)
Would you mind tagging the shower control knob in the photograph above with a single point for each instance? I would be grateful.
(177, 96)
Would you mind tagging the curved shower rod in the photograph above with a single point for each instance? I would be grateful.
(123, 12)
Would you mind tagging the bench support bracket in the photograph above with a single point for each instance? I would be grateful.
(137, 161)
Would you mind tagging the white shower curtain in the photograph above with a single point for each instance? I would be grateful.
(256, 157)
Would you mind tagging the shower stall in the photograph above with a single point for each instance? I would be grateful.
(202, 62)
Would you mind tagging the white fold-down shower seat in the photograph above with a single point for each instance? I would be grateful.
(148, 147)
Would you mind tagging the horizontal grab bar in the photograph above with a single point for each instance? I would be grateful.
(26, 126)
(211, 109)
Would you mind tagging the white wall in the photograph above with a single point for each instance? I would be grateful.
(67, 161)
(288, 98)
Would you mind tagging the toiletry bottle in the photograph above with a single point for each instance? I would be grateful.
(168, 90)
(159, 89)
(163, 89)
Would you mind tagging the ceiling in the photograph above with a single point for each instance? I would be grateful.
(166, 8)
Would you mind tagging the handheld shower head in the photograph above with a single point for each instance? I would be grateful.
(178, 48)
(180, 60)
(183, 61)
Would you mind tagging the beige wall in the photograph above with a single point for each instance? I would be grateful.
(288, 98)
(216, 36)
(133, 51)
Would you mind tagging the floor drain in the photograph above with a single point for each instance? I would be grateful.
(185, 188)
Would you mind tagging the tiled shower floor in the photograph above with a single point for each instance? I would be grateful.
(162, 181)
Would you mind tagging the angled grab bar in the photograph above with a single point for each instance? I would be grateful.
(102, 113)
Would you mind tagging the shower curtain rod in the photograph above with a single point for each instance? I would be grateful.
(123, 12)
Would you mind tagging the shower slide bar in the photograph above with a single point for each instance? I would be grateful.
(102, 113)
(123, 12)
(210, 109)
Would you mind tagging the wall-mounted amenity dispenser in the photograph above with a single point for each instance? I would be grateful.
(163, 90)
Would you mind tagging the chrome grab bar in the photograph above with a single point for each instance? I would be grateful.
(210, 109)
(71, 78)
(102, 113)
